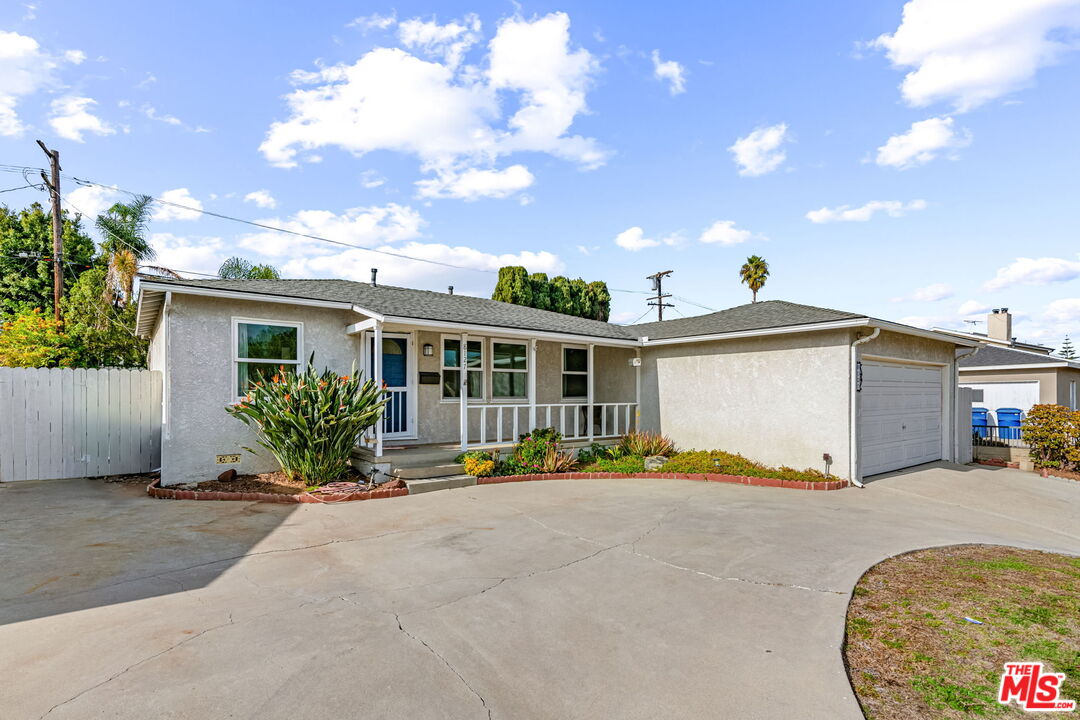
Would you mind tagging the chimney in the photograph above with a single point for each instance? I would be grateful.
(375, 271)
(999, 325)
(451, 289)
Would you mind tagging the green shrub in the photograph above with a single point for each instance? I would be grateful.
(624, 464)
(1053, 434)
(594, 452)
(536, 452)
(645, 444)
(310, 422)
(474, 454)
(725, 463)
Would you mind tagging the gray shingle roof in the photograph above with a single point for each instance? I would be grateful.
(420, 304)
(752, 316)
(992, 355)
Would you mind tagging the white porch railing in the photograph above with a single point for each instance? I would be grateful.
(504, 423)
(396, 416)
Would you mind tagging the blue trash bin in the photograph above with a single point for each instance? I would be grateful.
(1008, 420)
(979, 422)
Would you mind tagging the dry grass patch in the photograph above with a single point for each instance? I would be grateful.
(912, 653)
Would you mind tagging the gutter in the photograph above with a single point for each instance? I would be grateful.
(853, 441)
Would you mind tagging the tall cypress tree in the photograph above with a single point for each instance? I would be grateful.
(559, 294)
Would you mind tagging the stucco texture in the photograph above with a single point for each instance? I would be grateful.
(1053, 382)
(779, 399)
(200, 379)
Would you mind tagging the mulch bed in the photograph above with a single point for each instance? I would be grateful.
(273, 482)
(913, 653)
(1061, 473)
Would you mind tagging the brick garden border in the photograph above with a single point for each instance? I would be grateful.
(155, 490)
(700, 477)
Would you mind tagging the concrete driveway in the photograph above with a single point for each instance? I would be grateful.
(560, 599)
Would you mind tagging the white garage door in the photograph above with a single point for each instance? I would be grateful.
(899, 416)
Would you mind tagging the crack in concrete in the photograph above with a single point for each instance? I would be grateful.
(209, 563)
(736, 579)
(433, 651)
(137, 664)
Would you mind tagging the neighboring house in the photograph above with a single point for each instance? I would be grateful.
(782, 383)
(1014, 374)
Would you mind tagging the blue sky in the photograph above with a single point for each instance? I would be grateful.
(915, 162)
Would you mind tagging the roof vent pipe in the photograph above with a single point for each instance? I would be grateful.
(451, 289)
(374, 272)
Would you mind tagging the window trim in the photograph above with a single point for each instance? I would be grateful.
(562, 364)
(237, 321)
(482, 369)
(514, 399)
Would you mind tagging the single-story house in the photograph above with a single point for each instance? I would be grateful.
(782, 383)
(1014, 374)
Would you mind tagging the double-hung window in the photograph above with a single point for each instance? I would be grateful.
(261, 348)
(451, 368)
(575, 372)
(509, 370)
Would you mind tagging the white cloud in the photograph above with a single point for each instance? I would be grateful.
(450, 117)
(371, 179)
(930, 293)
(1034, 271)
(70, 118)
(448, 42)
(972, 307)
(1065, 310)
(92, 200)
(724, 232)
(633, 239)
(25, 68)
(364, 226)
(474, 184)
(759, 152)
(923, 142)
(375, 21)
(196, 255)
(180, 196)
(261, 198)
(670, 72)
(846, 213)
(971, 51)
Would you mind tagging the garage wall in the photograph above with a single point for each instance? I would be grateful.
(781, 399)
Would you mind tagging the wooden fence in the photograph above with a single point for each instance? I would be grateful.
(62, 423)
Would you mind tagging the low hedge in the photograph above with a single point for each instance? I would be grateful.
(702, 462)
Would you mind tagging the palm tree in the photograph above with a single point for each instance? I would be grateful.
(124, 242)
(237, 268)
(754, 273)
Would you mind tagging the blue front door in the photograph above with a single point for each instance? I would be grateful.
(395, 373)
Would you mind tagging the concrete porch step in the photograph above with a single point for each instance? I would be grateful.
(439, 483)
(430, 471)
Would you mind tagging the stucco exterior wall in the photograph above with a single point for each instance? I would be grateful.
(1047, 379)
(889, 345)
(780, 399)
(200, 379)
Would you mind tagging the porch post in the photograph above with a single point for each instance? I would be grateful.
(463, 390)
(637, 390)
(591, 423)
(377, 376)
(532, 387)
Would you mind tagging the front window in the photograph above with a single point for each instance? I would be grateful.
(451, 368)
(575, 374)
(262, 349)
(509, 369)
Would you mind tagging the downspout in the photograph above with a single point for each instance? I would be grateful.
(956, 395)
(853, 440)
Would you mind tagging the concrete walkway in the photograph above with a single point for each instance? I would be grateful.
(560, 599)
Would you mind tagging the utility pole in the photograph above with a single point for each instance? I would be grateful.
(657, 287)
(57, 227)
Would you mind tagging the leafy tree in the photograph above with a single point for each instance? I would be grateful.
(33, 339)
(514, 286)
(100, 333)
(124, 246)
(754, 273)
(1067, 350)
(541, 291)
(27, 282)
(237, 268)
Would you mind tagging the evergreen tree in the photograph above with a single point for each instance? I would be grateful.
(1067, 350)
(514, 286)
(562, 296)
(599, 301)
(541, 291)
(27, 282)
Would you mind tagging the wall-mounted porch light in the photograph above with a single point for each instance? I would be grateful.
(429, 350)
